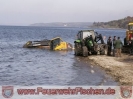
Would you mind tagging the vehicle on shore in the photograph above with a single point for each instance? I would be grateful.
(89, 42)
(54, 44)
(127, 40)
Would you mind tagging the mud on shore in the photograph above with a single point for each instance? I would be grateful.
(120, 68)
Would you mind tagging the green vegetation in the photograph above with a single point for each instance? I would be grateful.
(121, 23)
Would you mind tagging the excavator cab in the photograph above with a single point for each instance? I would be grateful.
(55, 42)
(127, 40)
(130, 26)
(58, 44)
(129, 32)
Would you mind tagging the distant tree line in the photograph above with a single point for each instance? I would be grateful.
(121, 23)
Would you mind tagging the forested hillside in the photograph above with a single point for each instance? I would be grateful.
(121, 23)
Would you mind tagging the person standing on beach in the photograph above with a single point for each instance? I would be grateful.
(109, 43)
(131, 44)
(118, 46)
(104, 38)
(114, 50)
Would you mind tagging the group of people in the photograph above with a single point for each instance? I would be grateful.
(117, 44)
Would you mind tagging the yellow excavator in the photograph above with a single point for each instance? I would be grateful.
(127, 40)
(54, 44)
(58, 44)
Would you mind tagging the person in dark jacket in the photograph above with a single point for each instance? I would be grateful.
(114, 49)
(109, 43)
(131, 52)
(118, 46)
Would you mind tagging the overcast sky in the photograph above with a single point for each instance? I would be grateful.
(25, 12)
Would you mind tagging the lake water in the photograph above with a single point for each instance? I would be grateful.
(22, 66)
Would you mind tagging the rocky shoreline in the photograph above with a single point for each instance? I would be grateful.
(120, 68)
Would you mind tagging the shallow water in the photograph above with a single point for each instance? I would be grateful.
(22, 66)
